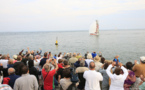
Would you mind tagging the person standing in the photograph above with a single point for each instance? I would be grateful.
(117, 79)
(18, 65)
(48, 76)
(93, 78)
(26, 81)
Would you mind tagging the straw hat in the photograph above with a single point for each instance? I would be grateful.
(97, 58)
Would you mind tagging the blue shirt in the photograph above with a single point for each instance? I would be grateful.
(94, 55)
(13, 78)
(116, 60)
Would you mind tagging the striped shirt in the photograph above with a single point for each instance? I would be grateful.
(5, 87)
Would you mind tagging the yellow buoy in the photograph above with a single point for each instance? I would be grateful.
(56, 43)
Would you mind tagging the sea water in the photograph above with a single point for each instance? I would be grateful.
(128, 44)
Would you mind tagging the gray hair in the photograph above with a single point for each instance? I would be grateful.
(82, 63)
(11, 71)
(47, 67)
(30, 57)
(4, 57)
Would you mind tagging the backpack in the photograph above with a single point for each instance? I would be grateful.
(72, 87)
(74, 76)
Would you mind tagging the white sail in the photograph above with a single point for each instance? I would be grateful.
(94, 29)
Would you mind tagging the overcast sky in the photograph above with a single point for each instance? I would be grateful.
(54, 15)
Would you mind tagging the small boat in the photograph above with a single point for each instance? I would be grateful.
(94, 29)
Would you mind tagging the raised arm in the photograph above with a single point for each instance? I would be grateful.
(108, 70)
(124, 70)
(40, 51)
(56, 66)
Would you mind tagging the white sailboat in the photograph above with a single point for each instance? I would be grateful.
(94, 29)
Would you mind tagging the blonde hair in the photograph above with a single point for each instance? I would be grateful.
(89, 56)
(47, 67)
(97, 59)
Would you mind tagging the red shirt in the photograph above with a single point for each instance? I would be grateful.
(60, 65)
(48, 82)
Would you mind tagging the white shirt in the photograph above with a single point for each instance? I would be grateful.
(57, 58)
(117, 81)
(36, 64)
(88, 61)
(93, 79)
(4, 62)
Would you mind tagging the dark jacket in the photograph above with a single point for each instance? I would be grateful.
(34, 71)
(17, 66)
(77, 64)
(13, 78)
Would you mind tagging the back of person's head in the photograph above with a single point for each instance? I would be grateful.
(102, 60)
(38, 56)
(117, 70)
(97, 59)
(67, 73)
(82, 63)
(60, 61)
(65, 62)
(129, 65)
(4, 57)
(92, 66)
(31, 63)
(11, 71)
(117, 56)
(89, 56)
(25, 69)
(30, 57)
(19, 58)
(47, 67)
(106, 65)
(10, 61)
(74, 55)
(45, 54)
(15, 57)
(49, 52)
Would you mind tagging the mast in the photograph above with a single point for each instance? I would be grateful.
(97, 28)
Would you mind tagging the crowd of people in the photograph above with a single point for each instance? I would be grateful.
(69, 71)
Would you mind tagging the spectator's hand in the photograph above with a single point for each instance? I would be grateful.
(55, 60)
(47, 61)
(1, 64)
(28, 48)
(113, 64)
(135, 61)
(76, 71)
(102, 66)
(120, 64)
(142, 77)
(126, 85)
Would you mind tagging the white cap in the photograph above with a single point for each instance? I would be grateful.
(142, 59)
